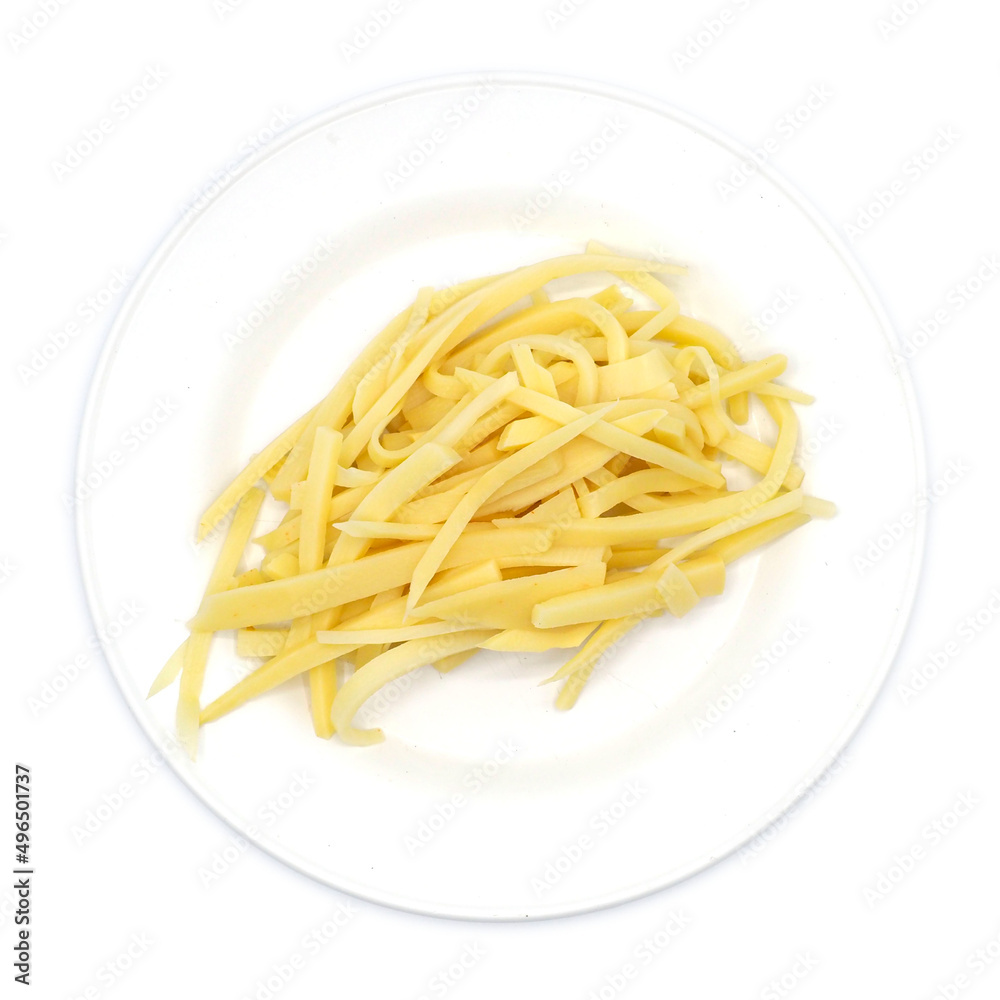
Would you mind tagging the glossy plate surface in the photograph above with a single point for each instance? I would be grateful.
(485, 801)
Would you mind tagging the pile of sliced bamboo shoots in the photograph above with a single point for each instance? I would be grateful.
(496, 470)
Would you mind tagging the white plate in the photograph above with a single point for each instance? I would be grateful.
(690, 741)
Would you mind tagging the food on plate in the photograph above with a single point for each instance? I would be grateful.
(498, 469)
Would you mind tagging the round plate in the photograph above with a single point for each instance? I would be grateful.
(485, 801)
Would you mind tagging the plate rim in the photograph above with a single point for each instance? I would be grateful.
(338, 111)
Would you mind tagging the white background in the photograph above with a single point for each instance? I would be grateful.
(823, 907)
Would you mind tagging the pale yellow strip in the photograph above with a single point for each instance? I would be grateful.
(733, 382)
(291, 663)
(197, 648)
(480, 492)
(283, 600)
(614, 437)
(254, 471)
(388, 667)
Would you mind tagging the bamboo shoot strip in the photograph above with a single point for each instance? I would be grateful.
(500, 468)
